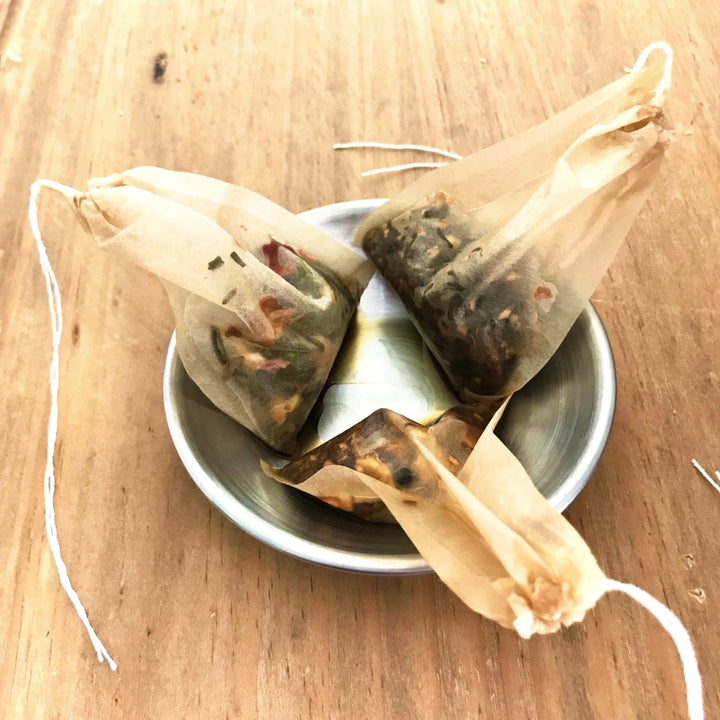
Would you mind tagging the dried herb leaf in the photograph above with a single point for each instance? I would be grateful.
(237, 259)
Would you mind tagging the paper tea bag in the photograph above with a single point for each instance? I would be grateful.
(261, 299)
(478, 520)
(481, 524)
(495, 255)
(378, 446)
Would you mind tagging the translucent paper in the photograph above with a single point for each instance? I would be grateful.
(261, 299)
(495, 255)
(477, 519)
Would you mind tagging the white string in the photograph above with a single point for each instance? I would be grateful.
(671, 623)
(393, 146)
(664, 85)
(706, 475)
(400, 168)
(56, 320)
(639, 64)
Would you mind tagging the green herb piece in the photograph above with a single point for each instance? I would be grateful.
(237, 259)
(292, 356)
(307, 281)
(230, 295)
(215, 263)
(249, 382)
(218, 346)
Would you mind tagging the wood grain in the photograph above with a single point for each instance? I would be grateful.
(203, 620)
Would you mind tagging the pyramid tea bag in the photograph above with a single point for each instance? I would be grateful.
(495, 255)
(261, 299)
(481, 524)
(478, 520)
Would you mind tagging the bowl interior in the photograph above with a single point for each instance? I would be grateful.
(557, 425)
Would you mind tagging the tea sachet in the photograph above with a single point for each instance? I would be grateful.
(262, 300)
(495, 255)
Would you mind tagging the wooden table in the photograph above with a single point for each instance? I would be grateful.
(203, 620)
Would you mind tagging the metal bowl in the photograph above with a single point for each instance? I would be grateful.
(557, 425)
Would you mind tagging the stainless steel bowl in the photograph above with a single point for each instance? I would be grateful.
(557, 425)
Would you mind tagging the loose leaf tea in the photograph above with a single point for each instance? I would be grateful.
(262, 300)
(476, 326)
(380, 447)
(495, 255)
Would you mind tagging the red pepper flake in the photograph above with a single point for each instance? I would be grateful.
(274, 364)
(542, 293)
(271, 250)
